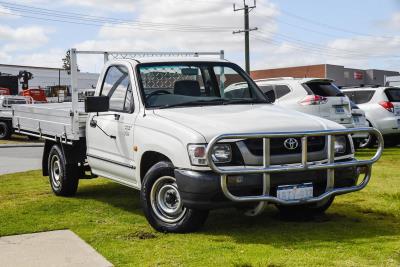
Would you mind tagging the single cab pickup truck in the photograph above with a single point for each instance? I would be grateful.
(169, 127)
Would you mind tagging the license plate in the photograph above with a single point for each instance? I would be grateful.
(397, 111)
(356, 119)
(295, 192)
(339, 110)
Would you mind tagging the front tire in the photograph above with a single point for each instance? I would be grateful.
(162, 203)
(63, 177)
(305, 210)
(5, 130)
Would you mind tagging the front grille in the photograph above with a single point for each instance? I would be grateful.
(255, 146)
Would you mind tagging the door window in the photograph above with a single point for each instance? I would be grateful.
(280, 90)
(118, 87)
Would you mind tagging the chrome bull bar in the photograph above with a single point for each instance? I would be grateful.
(266, 169)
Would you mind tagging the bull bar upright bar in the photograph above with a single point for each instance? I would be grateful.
(267, 169)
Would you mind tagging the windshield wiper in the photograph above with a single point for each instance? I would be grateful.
(196, 102)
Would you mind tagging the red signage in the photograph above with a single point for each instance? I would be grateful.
(358, 75)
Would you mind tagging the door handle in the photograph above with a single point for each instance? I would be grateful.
(117, 116)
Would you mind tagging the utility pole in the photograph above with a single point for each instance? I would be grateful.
(247, 9)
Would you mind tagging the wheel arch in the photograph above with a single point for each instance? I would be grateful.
(148, 159)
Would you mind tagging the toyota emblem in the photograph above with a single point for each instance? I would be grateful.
(291, 143)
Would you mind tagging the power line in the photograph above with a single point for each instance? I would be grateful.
(312, 45)
(319, 52)
(70, 17)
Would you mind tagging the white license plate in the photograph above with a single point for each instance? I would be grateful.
(397, 111)
(295, 192)
(339, 110)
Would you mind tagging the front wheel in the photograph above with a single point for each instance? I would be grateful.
(306, 209)
(162, 202)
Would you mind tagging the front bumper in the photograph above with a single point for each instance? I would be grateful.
(330, 177)
(202, 190)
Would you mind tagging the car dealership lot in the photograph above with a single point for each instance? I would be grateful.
(360, 229)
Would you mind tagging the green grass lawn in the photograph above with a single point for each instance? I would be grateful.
(18, 139)
(360, 229)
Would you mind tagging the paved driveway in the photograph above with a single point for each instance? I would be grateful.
(19, 159)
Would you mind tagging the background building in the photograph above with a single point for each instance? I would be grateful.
(49, 77)
(342, 76)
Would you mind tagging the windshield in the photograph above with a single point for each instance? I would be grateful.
(326, 89)
(167, 85)
(393, 94)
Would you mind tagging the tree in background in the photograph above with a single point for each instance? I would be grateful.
(67, 61)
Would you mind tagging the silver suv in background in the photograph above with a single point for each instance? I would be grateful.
(382, 110)
(315, 96)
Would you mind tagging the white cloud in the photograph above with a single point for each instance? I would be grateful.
(23, 38)
(393, 22)
(6, 13)
(170, 20)
(93, 5)
(110, 5)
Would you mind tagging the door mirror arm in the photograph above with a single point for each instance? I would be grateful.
(94, 124)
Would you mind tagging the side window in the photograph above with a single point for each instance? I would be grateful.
(280, 90)
(362, 97)
(117, 86)
(350, 95)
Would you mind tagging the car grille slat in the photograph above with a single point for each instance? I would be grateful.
(255, 146)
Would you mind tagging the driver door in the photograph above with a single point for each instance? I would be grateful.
(110, 146)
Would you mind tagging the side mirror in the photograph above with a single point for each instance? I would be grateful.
(271, 96)
(97, 104)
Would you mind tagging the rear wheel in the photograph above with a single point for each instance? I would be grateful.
(305, 209)
(5, 130)
(162, 203)
(63, 177)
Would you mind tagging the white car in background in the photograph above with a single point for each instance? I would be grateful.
(360, 121)
(382, 110)
(315, 96)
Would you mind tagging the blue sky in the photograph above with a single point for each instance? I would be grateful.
(353, 33)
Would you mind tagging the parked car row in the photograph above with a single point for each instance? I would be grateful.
(378, 107)
(382, 110)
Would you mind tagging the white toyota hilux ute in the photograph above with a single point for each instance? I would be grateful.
(167, 127)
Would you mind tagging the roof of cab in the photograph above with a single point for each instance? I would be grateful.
(172, 59)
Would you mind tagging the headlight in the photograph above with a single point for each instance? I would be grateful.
(340, 144)
(221, 153)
